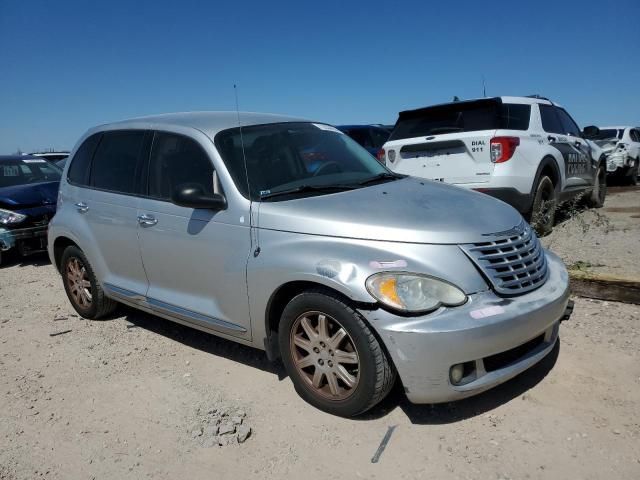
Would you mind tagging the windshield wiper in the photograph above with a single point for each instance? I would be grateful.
(306, 188)
(381, 176)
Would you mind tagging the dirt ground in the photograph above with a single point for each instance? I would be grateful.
(122, 398)
(605, 240)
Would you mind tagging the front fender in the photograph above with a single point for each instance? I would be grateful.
(344, 264)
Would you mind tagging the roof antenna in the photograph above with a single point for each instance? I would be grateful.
(484, 88)
(256, 252)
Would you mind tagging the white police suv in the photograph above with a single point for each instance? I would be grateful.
(526, 151)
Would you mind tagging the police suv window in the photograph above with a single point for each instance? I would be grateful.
(177, 160)
(80, 164)
(115, 161)
(515, 116)
(568, 125)
(550, 121)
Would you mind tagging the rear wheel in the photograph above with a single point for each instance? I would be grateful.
(333, 358)
(543, 211)
(84, 291)
(599, 191)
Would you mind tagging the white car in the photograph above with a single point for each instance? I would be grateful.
(526, 151)
(621, 146)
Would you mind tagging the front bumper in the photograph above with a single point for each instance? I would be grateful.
(484, 332)
(9, 238)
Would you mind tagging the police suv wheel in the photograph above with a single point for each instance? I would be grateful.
(543, 212)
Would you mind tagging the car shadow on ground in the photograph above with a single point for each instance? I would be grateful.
(202, 341)
(12, 259)
(418, 414)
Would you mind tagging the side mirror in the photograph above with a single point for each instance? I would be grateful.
(192, 195)
(590, 132)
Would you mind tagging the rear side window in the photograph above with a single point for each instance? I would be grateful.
(468, 116)
(80, 165)
(550, 121)
(568, 125)
(177, 160)
(115, 161)
(635, 135)
(515, 116)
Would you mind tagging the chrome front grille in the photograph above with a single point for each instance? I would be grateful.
(513, 261)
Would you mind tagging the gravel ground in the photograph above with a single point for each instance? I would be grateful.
(136, 396)
(605, 240)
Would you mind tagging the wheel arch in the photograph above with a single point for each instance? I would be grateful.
(59, 246)
(279, 300)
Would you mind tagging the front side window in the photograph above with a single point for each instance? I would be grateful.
(635, 135)
(115, 161)
(177, 160)
(27, 171)
(568, 125)
(284, 156)
(550, 121)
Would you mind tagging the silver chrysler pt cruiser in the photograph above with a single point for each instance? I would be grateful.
(287, 236)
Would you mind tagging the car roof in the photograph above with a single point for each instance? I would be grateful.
(504, 99)
(209, 123)
(13, 158)
(616, 128)
(354, 127)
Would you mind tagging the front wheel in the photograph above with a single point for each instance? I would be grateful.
(334, 360)
(599, 191)
(82, 287)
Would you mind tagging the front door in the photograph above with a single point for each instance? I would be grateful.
(581, 164)
(195, 259)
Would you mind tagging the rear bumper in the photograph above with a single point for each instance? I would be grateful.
(520, 201)
(499, 337)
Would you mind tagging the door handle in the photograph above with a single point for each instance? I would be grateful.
(82, 207)
(551, 139)
(147, 220)
(578, 144)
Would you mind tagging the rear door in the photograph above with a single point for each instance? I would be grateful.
(448, 143)
(109, 207)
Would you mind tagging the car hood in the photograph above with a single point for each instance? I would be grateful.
(409, 210)
(28, 196)
(608, 144)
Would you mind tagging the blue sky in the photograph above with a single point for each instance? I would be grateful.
(68, 65)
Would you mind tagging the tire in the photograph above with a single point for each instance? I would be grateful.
(599, 192)
(543, 210)
(84, 291)
(312, 357)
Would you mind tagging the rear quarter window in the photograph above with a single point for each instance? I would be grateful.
(80, 167)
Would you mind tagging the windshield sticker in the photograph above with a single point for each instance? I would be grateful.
(10, 170)
(33, 160)
(388, 264)
(264, 192)
(328, 128)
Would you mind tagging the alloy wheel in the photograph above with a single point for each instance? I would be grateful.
(79, 283)
(324, 355)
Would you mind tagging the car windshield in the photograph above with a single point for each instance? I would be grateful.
(468, 116)
(27, 171)
(608, 133)
(301, 158)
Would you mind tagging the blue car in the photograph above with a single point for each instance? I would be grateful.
(371, 137)
(28, 196)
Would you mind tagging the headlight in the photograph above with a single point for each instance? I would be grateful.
(10, 218)
(410, 292)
